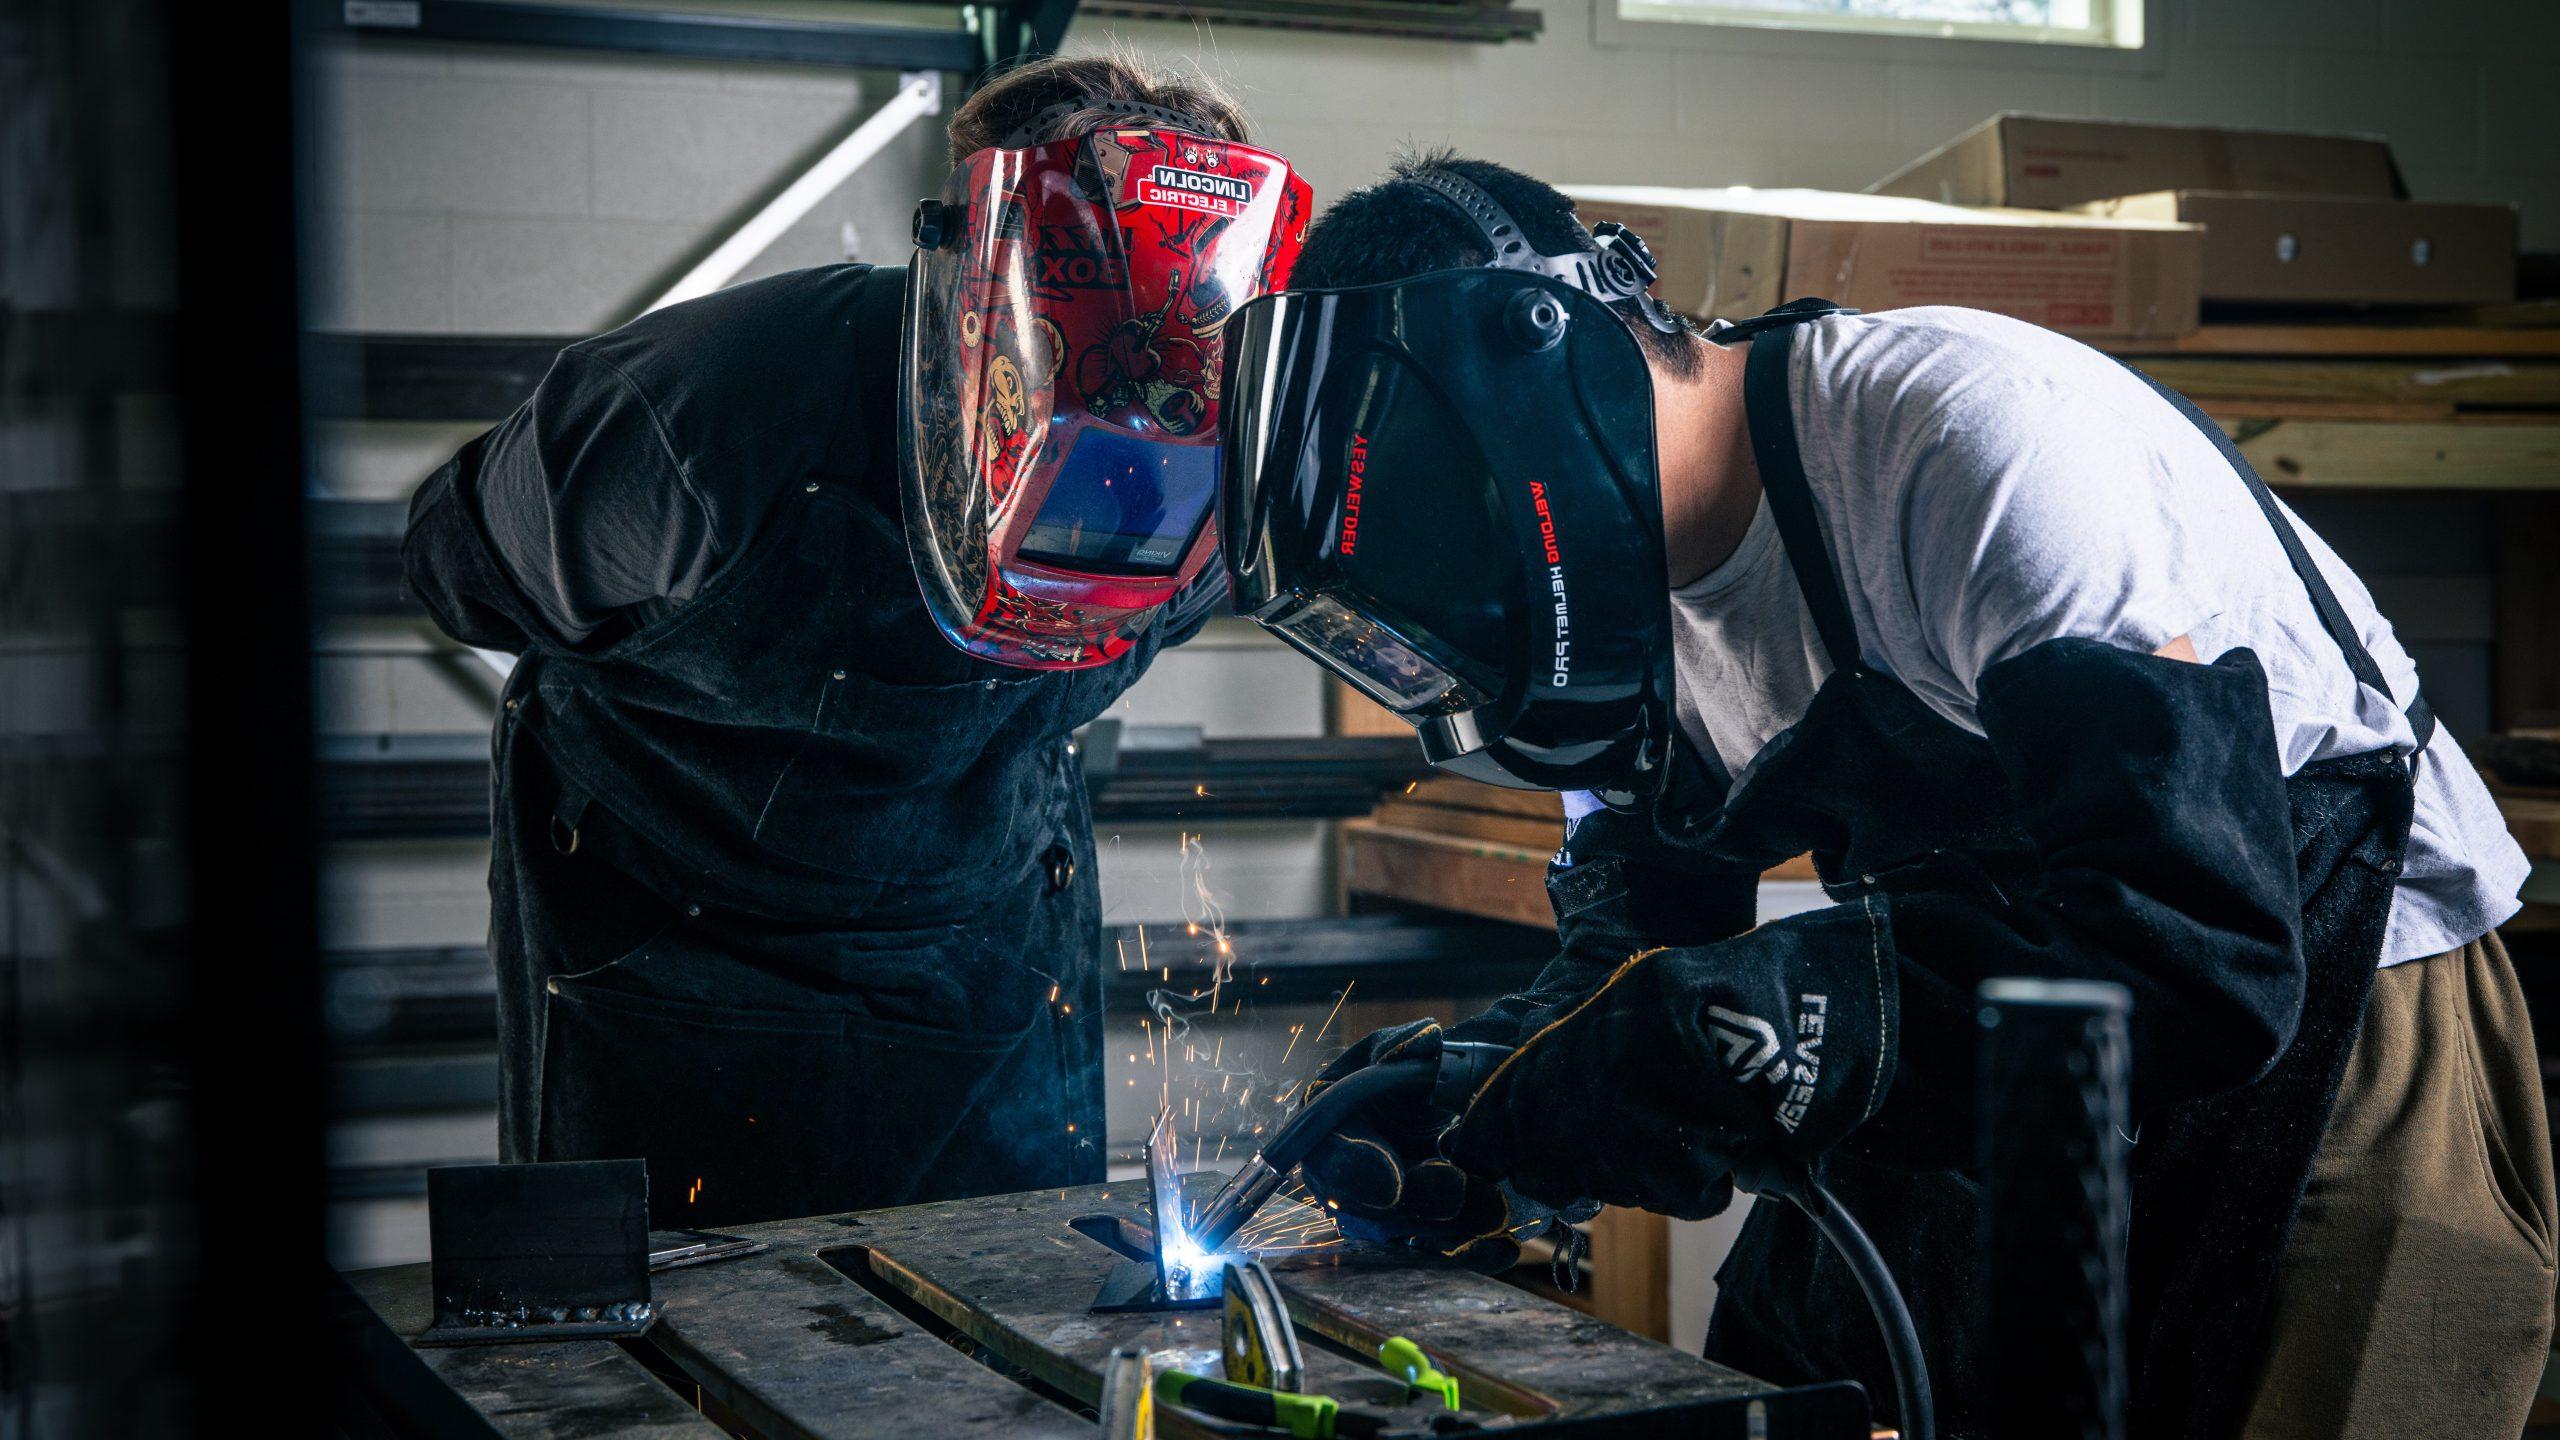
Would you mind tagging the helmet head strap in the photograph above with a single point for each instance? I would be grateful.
(1617, 269)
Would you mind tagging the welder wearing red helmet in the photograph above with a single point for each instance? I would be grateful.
(810, 580)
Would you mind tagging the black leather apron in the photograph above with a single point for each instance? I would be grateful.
(794, 899)
(1892, 798)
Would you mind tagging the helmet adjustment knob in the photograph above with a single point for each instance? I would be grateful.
(1535, 320)
(937, 223)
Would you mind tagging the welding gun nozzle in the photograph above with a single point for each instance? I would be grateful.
(1233, 1205)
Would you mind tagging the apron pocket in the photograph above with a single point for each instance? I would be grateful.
(910, 784)
(809, 1075)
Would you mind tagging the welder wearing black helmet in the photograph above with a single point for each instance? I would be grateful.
(2013, 642)
(809, 581)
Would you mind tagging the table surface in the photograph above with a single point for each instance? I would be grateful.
(789, 1341)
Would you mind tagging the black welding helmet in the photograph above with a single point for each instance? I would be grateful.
(1443, 490)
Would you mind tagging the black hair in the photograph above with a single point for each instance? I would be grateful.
(1400, 228)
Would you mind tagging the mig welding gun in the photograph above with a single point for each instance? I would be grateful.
(1454, 1075)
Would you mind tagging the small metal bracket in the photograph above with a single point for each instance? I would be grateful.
(928, 83)
(1178, 1277)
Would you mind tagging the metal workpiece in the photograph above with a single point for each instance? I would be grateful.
(1175, 1273)
(865, 1325)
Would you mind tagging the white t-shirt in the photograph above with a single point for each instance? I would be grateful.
(1986, 486)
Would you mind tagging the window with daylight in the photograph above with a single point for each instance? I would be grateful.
(2113, 23)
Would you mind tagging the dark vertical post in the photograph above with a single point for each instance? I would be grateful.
(244, 623)
(2053, 1112)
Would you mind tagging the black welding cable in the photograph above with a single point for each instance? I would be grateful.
(1901, 1337)
(1335, 1103)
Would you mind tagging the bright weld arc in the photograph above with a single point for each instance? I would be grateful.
(1284, 1228)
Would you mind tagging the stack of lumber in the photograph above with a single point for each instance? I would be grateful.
(1476, 849)
(2350, 404)
(1456, 845)
(2523, 769)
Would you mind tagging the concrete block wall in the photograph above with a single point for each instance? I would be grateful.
(483, 190)
(2468, 91)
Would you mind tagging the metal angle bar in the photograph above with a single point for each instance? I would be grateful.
(919, 94)
(651, 32)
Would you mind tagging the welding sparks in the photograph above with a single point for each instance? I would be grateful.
(1337, 1009)
(1201, 1091)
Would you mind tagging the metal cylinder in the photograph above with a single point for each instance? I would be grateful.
(2054, 1088)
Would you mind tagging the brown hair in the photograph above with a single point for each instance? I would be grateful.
(1006, 102)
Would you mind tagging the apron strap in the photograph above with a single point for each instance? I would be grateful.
(1773, 444)
(2333, 616)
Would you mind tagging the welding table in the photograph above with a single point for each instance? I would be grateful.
(862, 1324)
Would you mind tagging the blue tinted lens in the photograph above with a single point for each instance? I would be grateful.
(1125, 505)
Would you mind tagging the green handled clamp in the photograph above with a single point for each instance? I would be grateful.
(1404, 1360)
(1306, 1417)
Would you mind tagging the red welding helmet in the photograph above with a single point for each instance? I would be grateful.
(1058, 395)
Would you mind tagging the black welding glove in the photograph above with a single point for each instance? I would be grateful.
(1382, 1178)
(1615, 887)
(1649, 1089)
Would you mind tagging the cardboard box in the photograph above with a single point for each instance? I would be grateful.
(1734, 253)
(2330, 248)
(2040, 162)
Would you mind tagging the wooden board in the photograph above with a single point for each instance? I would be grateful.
(1631, 1270)
(2526, 581)
(2382, 340)
(2364, 455)
(1461, 794)
(2458, 384)
(2535, 822)
(1472, 876)
(1348, 712)
(1499, 827)
(2239, 408)
(1448, 872)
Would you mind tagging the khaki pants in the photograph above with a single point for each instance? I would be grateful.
(2415, 1298)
